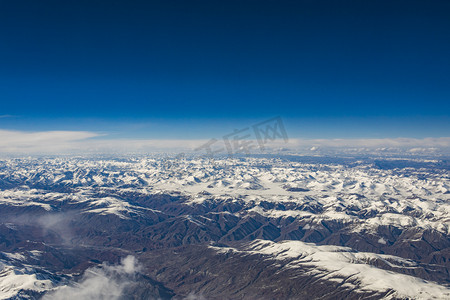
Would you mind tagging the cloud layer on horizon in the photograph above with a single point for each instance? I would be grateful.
(86, 142)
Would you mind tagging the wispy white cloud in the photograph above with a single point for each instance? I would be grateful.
(44, 141)
(105, 282)
(193, 296)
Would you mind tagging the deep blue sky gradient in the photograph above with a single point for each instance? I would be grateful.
(199, 68)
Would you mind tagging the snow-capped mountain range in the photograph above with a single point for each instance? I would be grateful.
(361, 227)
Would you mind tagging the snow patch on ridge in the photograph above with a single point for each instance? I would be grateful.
(337, 263)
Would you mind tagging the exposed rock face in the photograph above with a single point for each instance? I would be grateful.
(224, 230)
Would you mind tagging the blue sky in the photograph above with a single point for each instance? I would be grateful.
(198, 69)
